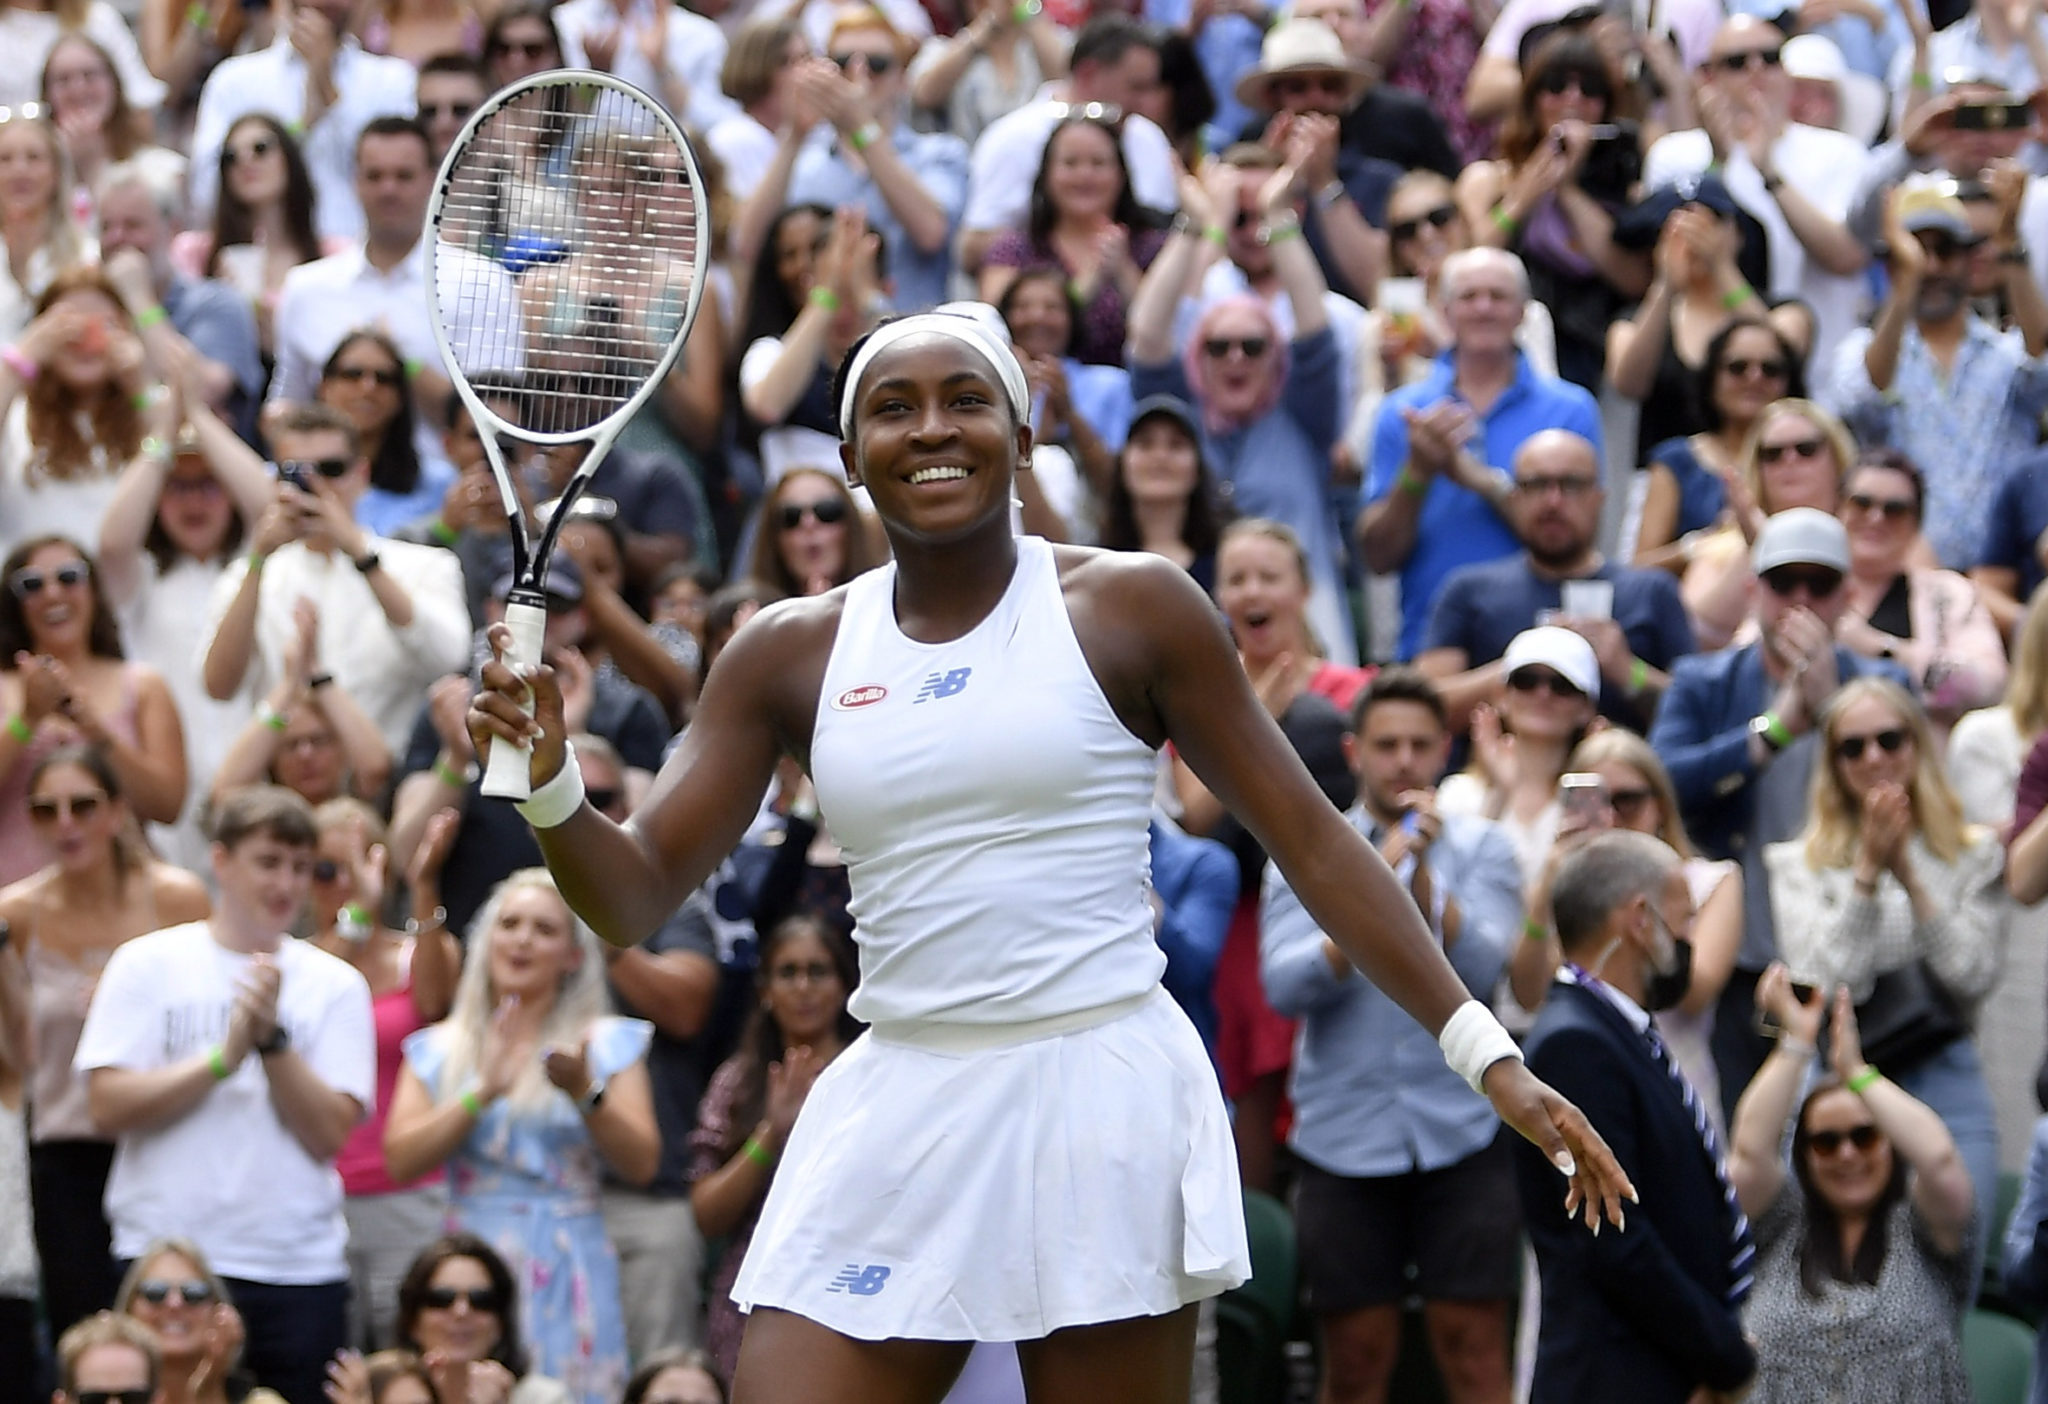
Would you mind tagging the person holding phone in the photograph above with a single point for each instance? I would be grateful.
(1864, 1262)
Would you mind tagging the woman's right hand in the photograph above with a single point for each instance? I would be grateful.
(1494, 748)
(497, 1063)
(838, 265)
(1800, 1018)
(43, 686)
(789, 1084)
(1887, 819)
(496, 711)
(430, 854)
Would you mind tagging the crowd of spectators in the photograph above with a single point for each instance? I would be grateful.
(1615, 439)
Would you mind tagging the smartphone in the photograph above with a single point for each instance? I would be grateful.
(1583, 797)
(1993, 116)
(293, 473)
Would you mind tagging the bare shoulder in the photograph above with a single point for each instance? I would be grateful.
(17, 898)
(774, 669)
(1144, 626)
(180, 895)
(1136, 583)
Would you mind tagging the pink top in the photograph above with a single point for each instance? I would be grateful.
(361, 1161)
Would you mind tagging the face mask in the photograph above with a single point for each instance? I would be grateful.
(1666, 987)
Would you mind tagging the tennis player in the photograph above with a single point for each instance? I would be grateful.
(1028, 1145)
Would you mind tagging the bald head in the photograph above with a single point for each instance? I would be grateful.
(1551, 451)
(1556, 505)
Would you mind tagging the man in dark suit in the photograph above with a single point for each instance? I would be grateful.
(1648, 1314)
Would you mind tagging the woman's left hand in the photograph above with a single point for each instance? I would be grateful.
(1845, 1044)
(569, 1068)
(1574, 139)
(1597, 1184)
(1888, 818)
(348, 1379)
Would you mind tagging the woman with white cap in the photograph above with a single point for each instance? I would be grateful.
(1029, 1144)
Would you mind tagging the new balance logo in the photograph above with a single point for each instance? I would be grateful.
(861, 1281)
(942, 685)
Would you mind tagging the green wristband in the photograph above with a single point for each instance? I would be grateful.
(1534, 930)
(443, 533)
(447, 775)
(19, 729)
(470, 1102)
(271, 717)
(865, 135)
(1922, 82)
(1736, 296)
(1217, 235)
(1503, 221)
(1638, 675)
(1410, 483)
(198, 16)
(217, 1064)
(1861, 1079)
(756, 1152)
(825, 298)
(256, 560)
(1777, 730)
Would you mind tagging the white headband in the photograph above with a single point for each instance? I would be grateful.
(963, 321)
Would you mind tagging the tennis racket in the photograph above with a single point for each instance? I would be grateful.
(567, 242)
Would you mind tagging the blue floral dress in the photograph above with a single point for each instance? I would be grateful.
(526, 1182)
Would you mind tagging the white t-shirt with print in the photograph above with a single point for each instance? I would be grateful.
(228, 1175)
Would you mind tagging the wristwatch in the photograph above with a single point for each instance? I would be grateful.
(278, 1041)
(368, 563)
(594, 1094)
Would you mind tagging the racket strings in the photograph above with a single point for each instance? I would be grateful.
(566, 253)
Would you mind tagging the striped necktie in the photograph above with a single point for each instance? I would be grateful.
(1742, 1247)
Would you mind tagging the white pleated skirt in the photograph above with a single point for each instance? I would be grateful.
(965, 1184)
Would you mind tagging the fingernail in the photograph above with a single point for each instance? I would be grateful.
(1564, 1162)
(1630, 1195)
(1596, 1227)
(1620, 1221)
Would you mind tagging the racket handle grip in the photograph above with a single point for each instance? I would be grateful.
(509, 772)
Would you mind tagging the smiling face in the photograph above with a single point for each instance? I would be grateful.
(1240, 356)
(1796, 465)
(1262, 592)
(366, 383)
(264, 882)
(798, 240)
(1541, 704)
(85, 363)
(1881, 514)
(1083, 177)
(309, 757)
(75, 817)
(461, 1316)
(533, 944)
(1160, 462)
(803, 992)
(256, 174)
(28, 168)
(1849, 1178)
(935, 441)
(81, 86)
(1483, 304)
(54, 586)
(1753, 372)
(180, 1322)
(1040, 318)
(1870, 744)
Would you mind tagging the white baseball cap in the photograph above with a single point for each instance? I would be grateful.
(1559, 649)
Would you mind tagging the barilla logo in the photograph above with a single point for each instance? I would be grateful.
(855, 698)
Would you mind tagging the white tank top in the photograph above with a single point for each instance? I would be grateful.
(992, 810)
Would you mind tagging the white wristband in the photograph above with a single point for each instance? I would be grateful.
(1473, 1041)
(561, 797)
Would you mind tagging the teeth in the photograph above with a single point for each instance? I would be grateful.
(937, 475)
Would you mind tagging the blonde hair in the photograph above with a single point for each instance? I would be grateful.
(1834, 816)
(849, 18)
(339, 813)
(1265, 528)
(1615, 746)
(580, 1001)
(2026, 687)
(1840, 441)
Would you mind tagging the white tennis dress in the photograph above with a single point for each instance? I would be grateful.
(1030, 1136)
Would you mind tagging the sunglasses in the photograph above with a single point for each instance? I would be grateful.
(1895, 509)
(1589, 85)
(825, 511)
(300, 467)
(356, 375)
(458, 110)
(444, 1298)
(325, 870)
(531, 49)
(192, 1292)
(1748, 58)
(48, 809)
(878, 64)
(30, 582)
(1409, 228)
(1741, 367)
(1628, 802)
(1218, 347)
(254, 151)
(1819, 582)
(1530, 680)
(1826, 1143)
(113, 1396)
(1798, 448)
(1851, 748)
(601, 800)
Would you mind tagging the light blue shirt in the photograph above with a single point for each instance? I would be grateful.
(1372, 1094)
(939, 161)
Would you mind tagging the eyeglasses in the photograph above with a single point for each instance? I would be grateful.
(254, 151)
(1818, 581)
(1563, 487)
(878, 64)
(444, 1298)
(30, 581)
(1564, 80)
(532, 50)
(1218, 347)
(1748, 58)
(1798, 448)
(1742, 366)
(458, 110)
(156, 1291)
(325, 467)
(817, 973)
(601, 800)
(1851, 748)
(825, 511)
(1630, 802)
(1435, 219)
(113, 1396)
(1826, 1143)
(1531, 680)
(48, 809)
(356, 375)
(1895, 509)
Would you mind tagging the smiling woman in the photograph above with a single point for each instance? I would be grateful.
(1026, 1083)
